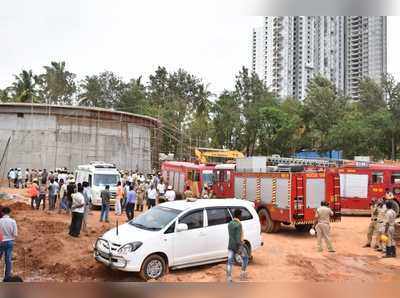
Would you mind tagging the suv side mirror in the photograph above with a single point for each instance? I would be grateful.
(182, 227)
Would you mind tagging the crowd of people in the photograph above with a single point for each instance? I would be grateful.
(57, 191)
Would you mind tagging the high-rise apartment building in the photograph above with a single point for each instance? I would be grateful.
(365, 51)
(288, 51)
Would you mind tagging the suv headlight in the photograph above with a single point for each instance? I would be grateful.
(130, 247)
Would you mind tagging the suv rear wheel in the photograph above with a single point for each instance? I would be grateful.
(153, 267)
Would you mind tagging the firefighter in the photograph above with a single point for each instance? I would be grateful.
(373, 224)
(389, 221)
(323, 226)
(380, 228)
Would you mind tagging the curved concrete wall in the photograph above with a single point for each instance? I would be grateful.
(57, 136)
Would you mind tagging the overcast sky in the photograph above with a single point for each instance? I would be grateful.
(132, 38)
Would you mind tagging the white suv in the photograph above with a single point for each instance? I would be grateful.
(176, 235)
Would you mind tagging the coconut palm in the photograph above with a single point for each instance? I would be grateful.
(24, 88)
(57, 84)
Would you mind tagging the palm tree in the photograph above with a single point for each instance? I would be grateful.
(91, 92)
(24, 87)
(58, 84)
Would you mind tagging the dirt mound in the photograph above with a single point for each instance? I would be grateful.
(18, 206)
(49, 227)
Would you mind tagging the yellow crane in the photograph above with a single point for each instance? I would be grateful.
(204, 155)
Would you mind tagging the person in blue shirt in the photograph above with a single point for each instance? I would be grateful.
(130, 202)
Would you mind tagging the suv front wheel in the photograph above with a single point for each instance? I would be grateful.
(153, 267)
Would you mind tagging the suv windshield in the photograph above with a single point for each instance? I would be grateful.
(105, 179)
(155, 219)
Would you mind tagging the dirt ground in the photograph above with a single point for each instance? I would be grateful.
(45, 252)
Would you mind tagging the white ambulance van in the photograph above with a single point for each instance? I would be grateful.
(99, 174)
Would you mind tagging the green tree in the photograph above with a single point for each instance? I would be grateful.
(280, 129)
(200, 126)
(252, 96)
(134, 99)
(322, 109)
(24, 88)
(5, 95)
(174, 97)
(57, 84)
(391, 89)
(103, 90)
(371, 95)
(226, 121)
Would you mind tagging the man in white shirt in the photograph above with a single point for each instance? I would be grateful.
(170, 194)
(9, 230)
(13, 176)
(151, 196)
(78, 210)
(161, 188)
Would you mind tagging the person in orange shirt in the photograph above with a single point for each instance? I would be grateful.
(118, 198)
(33, 192)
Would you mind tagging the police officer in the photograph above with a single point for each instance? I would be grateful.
(389, 221)
(380, 228)
(323, 226)
(373, 224)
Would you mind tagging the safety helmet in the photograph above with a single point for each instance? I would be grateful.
(384, 238)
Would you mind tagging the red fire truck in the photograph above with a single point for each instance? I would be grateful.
(282, 195)
(181, 174)
(360, 182)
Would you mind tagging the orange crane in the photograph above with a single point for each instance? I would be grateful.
(204, 155)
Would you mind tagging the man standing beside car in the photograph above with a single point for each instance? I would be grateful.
(235, 246)
(130, 203)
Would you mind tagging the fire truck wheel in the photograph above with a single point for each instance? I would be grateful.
(277, 227)
(303, 228)
(266, 222)
(396, 207)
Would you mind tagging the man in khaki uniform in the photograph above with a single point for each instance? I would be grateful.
(323, 226)
(373, 224)
(389, 222)
(188, 193)
(380, 228)
(141, 190)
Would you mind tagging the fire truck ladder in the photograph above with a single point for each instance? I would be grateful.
(299, 199)
(336, 201)
(298, 161)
